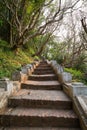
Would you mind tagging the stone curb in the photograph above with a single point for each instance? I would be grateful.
(82, 104)
(79, 109)
(26, 70)
(75, 89)
(10, 88)
(63, 77)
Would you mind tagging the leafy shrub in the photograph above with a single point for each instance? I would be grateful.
(59, 59)
(36, 58)
(4, 45)
(76, 74)
(80, 63)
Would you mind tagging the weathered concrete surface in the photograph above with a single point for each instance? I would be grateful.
(79, 89)
(82, 100)
(3, 100)
(67, 77)
(39, 128)
(8, 90)
(63, 77)
(50, 85)
(78, 92)
(19, 76)
(40, 98)
(80, 106)
(74, 89)
(7, 85)
(36, 117)
(57, 68)
(26, 70)
(43, 77)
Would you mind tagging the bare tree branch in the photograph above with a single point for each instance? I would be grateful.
(83, 21)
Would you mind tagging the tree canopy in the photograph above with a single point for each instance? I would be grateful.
(27, 22)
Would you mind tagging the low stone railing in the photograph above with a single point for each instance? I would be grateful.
(77, 91)
(26, 70)
(63, 77)
(10, 87)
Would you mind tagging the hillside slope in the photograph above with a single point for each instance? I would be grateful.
(9, 61)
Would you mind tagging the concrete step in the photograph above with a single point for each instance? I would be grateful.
(41, 72)
(40, 99)
(43, 77)
(39, 117)
(39, 128)
(42, 64)
(44, 67)
(42, 85)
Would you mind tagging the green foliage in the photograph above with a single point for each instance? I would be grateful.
(36, 58)
(4, 26)
(76, 74)
(59, 59)
(9, 62)
(80, 63)
(53, 52)
(1, 22)
(33, 5)
(4, 44)
(85, 78)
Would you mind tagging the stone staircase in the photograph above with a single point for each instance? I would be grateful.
(40, 105)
